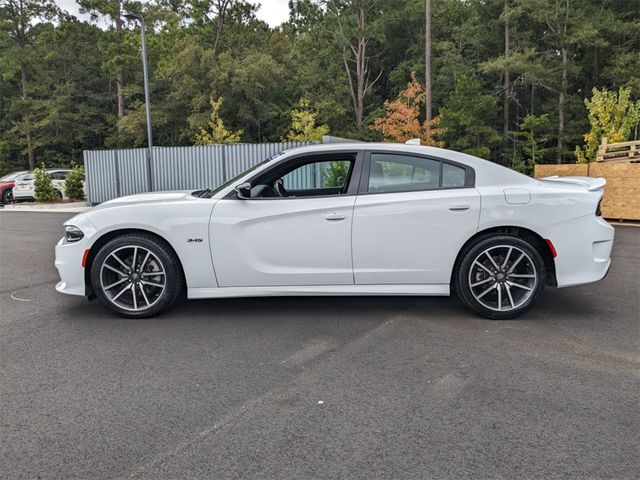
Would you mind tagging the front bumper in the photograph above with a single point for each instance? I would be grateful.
(69, 265)
(584, 249)
(69, 258)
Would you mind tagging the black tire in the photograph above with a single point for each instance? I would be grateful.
(58, 195)
(162, 258)
(499, 286)
(7, 196)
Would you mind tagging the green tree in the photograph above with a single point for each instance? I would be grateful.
(533, 132)
(357, 27)
(18, 21)
(84, 87)
(70, 98)
(114, 46)
(468, 117)
(44, 191)
(74, 183)
(216, 132)
(612, 115)
(303, 124)
(336, 174)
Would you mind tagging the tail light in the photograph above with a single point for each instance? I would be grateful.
(598, 209)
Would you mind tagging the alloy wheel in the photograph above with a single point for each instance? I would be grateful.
(133, 278)
(502, 278)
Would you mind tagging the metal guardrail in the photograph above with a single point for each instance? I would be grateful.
(115, 173)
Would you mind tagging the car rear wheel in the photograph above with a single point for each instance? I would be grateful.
(136, 276)
(500, 277)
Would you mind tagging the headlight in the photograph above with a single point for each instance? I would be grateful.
(72, 234)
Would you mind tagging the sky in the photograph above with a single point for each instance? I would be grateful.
(274, 12)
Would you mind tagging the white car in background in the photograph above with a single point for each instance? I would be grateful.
(344, 219)
(24, 188)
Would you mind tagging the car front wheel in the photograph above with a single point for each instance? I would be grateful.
(500, 277)
(136, 276)
(7, 197)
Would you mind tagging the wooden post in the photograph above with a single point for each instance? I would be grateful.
(602, 149)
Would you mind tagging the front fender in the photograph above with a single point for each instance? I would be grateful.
(185, 226)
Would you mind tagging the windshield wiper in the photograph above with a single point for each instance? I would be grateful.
(202, 193)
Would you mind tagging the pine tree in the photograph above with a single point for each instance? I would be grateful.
(303, 126)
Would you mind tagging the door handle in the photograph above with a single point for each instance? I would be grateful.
(334, 217)
(459, 208)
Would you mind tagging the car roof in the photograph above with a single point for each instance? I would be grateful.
(487, 173)
(13, 175)
(390, 147)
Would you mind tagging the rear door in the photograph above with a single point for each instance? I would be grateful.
(58, 178)
(412, 215)
(24, 186)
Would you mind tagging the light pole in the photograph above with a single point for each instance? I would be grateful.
(147, 100)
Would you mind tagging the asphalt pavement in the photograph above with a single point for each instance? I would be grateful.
(293, 388)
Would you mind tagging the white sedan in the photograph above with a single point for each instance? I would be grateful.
(344, 219)
(25, 189)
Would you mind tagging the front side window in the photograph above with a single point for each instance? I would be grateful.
(313, 178)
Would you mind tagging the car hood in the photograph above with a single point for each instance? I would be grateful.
(148, 198)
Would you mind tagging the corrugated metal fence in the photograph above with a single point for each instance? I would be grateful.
(114, 173)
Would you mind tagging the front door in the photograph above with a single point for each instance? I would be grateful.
(294, 230)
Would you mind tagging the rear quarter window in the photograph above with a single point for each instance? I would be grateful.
(453, 176)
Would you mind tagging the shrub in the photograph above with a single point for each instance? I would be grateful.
(73, 183)
(44, 191)
(336, 174)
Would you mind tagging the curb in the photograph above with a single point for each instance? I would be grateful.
(75, 207)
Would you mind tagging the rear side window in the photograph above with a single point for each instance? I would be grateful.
(390, 172)
(402, 173)
(453, 176)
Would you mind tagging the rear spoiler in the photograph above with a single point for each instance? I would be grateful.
(592, 184)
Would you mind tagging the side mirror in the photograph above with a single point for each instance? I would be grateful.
(244, 190)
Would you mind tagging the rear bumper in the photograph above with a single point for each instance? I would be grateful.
(584, 249)
(23, 197)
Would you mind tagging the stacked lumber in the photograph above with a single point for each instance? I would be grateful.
(618, 152)
(621, 194)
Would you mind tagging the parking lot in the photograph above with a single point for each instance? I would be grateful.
(314, 387)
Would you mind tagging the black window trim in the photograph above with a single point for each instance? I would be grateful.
(311, 157)
(469, 179)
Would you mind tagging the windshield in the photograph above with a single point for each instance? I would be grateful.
(210, 192)
(10, 177)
